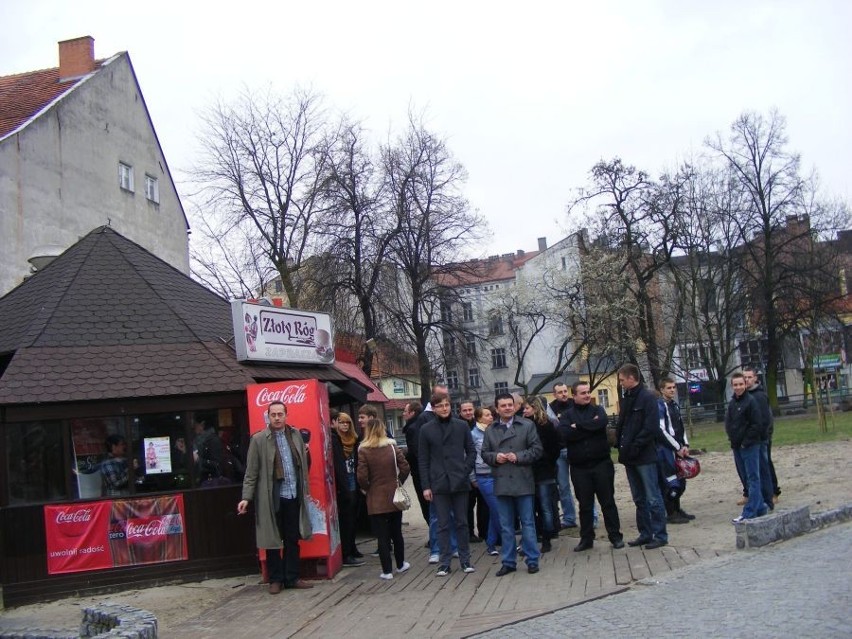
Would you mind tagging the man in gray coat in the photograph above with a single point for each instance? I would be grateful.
(447, 457)
(276, 480)
(510, 447)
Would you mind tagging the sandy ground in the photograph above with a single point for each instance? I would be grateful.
(817, 475)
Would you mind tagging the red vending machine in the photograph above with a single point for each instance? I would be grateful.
(307, 411)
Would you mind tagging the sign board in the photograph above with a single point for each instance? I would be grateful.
(281, 335)
(832, 360)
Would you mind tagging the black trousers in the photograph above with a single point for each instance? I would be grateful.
(347, 511)
(596, 480)
(387, 527)
(286, 571)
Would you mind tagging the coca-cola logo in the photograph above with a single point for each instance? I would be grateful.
(151, 529)
(73, 522)
(293, 394)
(74, 516)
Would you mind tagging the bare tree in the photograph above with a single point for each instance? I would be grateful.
(357, 229)
(777, 224)
(261, 173)
(708, 283)
(638, 220)
(434, 226)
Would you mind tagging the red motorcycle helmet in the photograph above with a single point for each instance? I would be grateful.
(687, 467)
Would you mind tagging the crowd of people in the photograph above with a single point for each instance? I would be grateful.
(491, 473)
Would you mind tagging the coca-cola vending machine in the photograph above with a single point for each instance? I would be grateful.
(307, 411)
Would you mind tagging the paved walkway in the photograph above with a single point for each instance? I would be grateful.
(420, 604)
(799, 588)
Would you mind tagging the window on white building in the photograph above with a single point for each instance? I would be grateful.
(498, 358)
(495, 324)
(603, 398)
(125, 176)
(446, 312)
(473, 378)
(470, 344)
(452, 380)
(449, 344)
(152, 189)
(467, 310)
(501, 387)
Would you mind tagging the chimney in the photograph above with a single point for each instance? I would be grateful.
(76, 58)
(542, 244)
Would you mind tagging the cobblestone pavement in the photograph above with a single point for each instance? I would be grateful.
(800, 588)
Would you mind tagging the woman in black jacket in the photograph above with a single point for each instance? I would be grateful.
(544, 471)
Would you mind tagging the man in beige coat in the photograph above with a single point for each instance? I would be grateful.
(276, 480)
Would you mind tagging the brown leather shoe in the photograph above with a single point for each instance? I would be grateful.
(274, 587)
(300, 584)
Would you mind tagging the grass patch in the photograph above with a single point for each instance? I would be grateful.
(789, 431)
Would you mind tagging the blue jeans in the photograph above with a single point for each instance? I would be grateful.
(523, 507)
(544, 503)
(486, 487)
(566, 497)
(750, 462)
(650, 510)
(434, 548)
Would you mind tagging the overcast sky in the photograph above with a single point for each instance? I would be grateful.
(529, 94)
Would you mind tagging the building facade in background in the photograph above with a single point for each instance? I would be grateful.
(78, 150)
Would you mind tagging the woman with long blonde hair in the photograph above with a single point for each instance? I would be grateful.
(381, 465)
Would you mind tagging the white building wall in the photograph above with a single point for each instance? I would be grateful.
(560, 262)
(59, 176)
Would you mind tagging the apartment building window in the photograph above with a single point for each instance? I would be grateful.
(693, 358)
(125, 176)
(152, 189)
(446, 312)
(498, 358)
(470, 344)
(501, 387)
(449, 344)
(603, 398)
(473, 378)
(467, 311)
(452, 380)
(495, 324)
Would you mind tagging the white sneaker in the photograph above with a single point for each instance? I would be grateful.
(386, 575)
(434, 559)
(405, 566)
(456, 555)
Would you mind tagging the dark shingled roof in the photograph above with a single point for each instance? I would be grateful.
(107, 319)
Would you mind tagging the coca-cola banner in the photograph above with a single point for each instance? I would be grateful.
(77, 537)
(109, 534)
(307, 411)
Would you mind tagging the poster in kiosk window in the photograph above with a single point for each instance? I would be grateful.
(307, 412)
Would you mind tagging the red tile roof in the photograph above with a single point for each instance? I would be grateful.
(492, 269)
(24, 95)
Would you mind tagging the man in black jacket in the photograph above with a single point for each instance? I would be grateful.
(744, 425)
(638, 424)
(447, 457)
(558, 406)
(768, 478)
(582, 430)
(415, 417)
